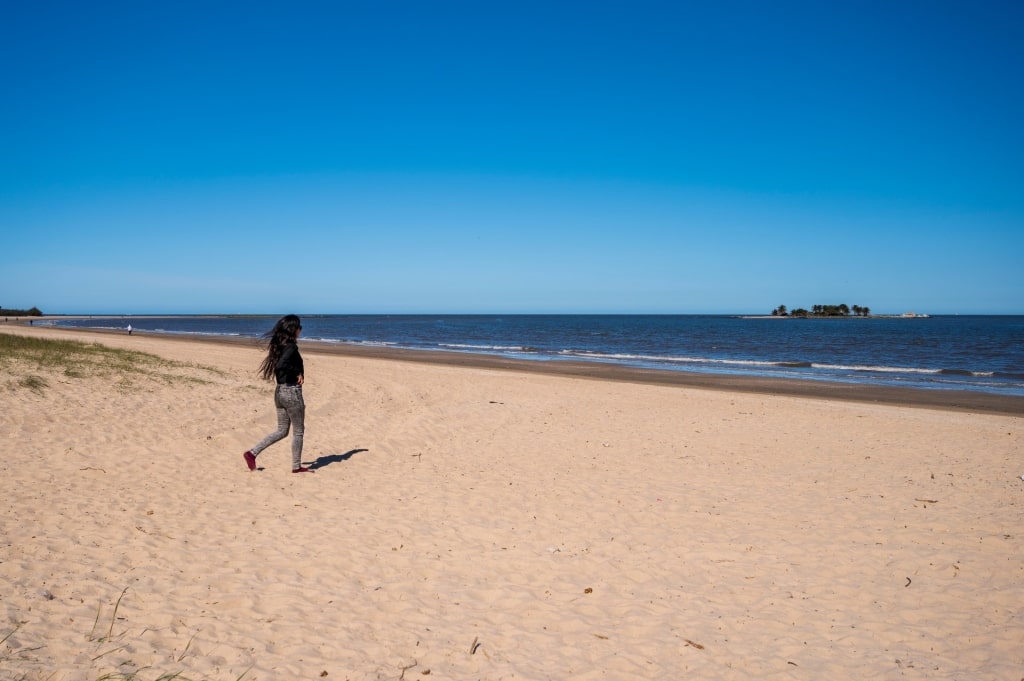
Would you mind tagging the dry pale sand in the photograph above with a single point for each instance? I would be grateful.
(480, 523)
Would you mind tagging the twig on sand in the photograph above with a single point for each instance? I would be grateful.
(4, 639)
(187, 646)
(112, 650)
(114, 616)
(95, 620)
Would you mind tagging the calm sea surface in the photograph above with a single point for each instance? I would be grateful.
(984, 353)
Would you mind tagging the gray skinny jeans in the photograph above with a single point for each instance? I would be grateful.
(291, 411)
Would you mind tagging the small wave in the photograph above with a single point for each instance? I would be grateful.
(874, 369)
(97, 327)
(705, 361)
(957, 372)
(170, 332)
(904, 370)
(342, 341)
(491, 348)
(669, 359)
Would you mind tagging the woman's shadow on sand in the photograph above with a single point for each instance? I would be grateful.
(328, 459)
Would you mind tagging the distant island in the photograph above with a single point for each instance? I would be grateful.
(32, 312)
(841, 310)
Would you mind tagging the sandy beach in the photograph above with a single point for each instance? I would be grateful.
(475, 520)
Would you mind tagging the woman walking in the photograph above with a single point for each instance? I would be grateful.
(284, 363)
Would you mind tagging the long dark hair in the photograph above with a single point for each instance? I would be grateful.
(284, 332)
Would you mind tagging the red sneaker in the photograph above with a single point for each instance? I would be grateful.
(250, 460)
(302, 470)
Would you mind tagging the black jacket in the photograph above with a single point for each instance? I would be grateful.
(289, 367)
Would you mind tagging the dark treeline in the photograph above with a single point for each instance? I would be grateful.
(841, 310)
(33, 312)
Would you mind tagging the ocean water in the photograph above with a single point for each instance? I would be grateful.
(983, 353)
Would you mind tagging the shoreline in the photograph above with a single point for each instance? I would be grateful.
(948, 400)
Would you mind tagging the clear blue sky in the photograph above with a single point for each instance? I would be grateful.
(632, 156)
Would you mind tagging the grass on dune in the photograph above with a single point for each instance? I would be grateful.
(29, 361)
(11, 655)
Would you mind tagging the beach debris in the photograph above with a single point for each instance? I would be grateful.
(12, 633)
(588, 590)
(45, 593)
(928, 501)
(693, 644)
(113, 619)
(187, 646)
(473, 646)
(908, 583)
(323, 673)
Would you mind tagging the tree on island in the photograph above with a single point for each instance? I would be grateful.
(840, 310)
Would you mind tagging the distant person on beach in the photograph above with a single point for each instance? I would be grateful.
(129, 329)
(284, 363)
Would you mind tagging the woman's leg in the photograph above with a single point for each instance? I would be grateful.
(283, 422)
(295, 406)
